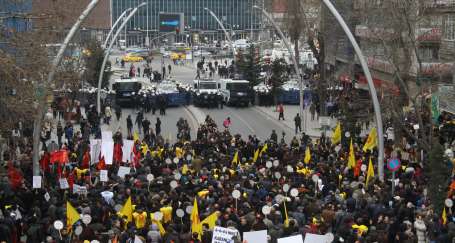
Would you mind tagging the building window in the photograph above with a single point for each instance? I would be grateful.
(449, 27)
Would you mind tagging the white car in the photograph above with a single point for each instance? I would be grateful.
(201, 53)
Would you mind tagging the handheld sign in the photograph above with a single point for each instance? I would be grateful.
(158, 215)
(286, 187)
(180, 213)
(294, 192)
(78, 230)
(269, 164)
(176, 160)
(393, 164)
(236, 194)
(255, 236)
(58, 225)
(150, 177)
(189, 209)
(86, 219)
(266, 209)
(276, 163)
(103, 176)
(224, 235)
(36, 182)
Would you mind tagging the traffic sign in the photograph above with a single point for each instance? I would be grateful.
(393, 164)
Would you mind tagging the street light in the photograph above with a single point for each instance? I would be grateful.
(115, 25)
(291, 53)
(42, 107)
(108, 51)
(224, 29)
(374, 96)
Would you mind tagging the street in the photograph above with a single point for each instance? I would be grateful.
(245, 120)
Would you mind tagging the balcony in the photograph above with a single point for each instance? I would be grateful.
(429, 34)
(439, 4)
(363, 31)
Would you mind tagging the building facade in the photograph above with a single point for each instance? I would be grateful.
(386, 50)
(238, 16)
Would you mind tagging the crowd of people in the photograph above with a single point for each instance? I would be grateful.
(332, 197)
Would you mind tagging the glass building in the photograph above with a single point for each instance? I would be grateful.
(236, 15)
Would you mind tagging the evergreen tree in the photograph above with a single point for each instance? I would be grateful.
(279, 75)
(438, 173)
(249, 65)
(93, 58)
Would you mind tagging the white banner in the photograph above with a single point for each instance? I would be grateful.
(255, 236)
(292, 239)
(37, 181)
(95, 150)
(313, 238)
(224, 235)
(106, 135)
(107, 151)
(127, 150)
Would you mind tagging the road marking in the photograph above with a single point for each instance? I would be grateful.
(242, 120)
(193, 119)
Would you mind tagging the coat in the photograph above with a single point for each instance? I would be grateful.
(421, 231)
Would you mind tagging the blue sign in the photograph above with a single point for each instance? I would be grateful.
(393, 164)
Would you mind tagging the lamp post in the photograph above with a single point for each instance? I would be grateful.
(42, 107)
(374, 97)
(228, 36)
(108, 51)
(291, 53)
(115, 25)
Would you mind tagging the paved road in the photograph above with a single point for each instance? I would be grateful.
(245, 121)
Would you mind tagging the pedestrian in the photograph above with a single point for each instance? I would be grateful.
(118, 112)
(158, 126)
(59, 133)
(129, 125)
(139, 118)
(138, 71)
(146, 126)
(164, 72)
(280, 111)
(313, 110)
(169, 67)
(227, 123)
(274, 136)
(107, 114)
(298, 123)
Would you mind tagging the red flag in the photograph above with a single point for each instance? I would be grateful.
(60, 156)
(357, 168)
(118, 153)
(86, 160)
(136, 159)
(15, 177)
(70, 179)
(44, 161)
(102, 164)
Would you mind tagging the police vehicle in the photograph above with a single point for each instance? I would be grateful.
(206, 92)
(236, 92)
(127, 90)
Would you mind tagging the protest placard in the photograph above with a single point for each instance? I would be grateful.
(255, 236)
(107, 151)
(291, 239)
(223, 235)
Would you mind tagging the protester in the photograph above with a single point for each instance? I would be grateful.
(141, 192)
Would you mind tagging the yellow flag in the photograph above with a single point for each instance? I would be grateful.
(351, 160)
(158, 223)
(127, 210)
(286, 219)
(235, 160)
(264, 149)
(196, 226)
(256, 155)
(372, 140)
(135, 136)
(307, 155)
(179, 152)
(211, 220)
(444, 216)
(72, 216)
(370, 172)
(185, 169)
(203, 193)
(336, 137)
(144, 148)
(167, 213)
